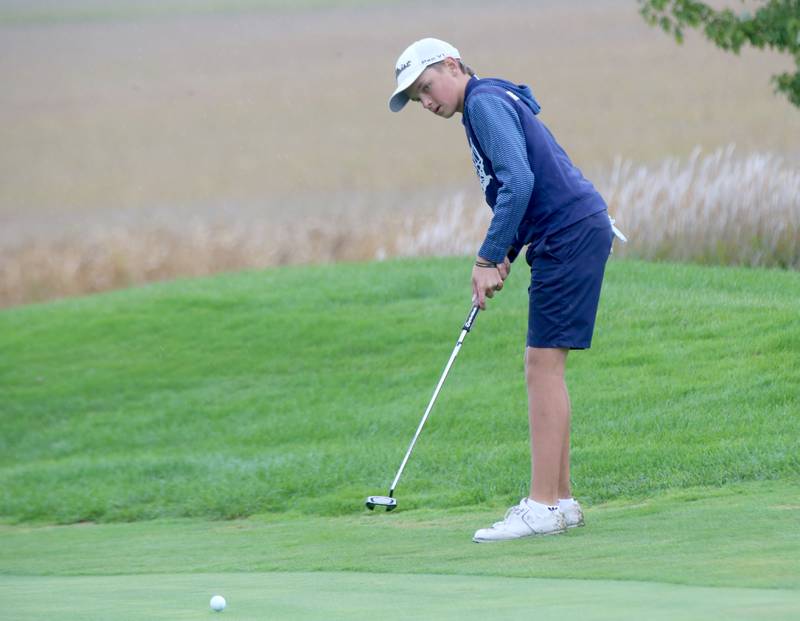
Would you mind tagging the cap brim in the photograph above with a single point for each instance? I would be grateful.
(399, 99)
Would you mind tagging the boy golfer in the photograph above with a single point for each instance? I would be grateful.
(539, 199)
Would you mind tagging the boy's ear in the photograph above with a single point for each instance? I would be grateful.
(452, 65)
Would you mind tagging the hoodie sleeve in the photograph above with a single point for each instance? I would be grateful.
(499, 132)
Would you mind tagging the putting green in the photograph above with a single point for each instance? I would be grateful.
(350, 595)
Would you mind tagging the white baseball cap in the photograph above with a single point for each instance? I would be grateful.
(413, 61)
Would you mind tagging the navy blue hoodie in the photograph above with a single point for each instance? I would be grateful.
(529, 181)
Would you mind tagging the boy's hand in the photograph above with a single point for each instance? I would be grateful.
(487, 280)
(504, 268)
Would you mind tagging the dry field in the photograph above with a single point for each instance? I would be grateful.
(146, 146)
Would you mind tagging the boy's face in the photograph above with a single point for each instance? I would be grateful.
(440, 89)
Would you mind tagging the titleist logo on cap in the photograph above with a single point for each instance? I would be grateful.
(402, 68)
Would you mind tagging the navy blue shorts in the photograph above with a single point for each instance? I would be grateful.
(566, 274)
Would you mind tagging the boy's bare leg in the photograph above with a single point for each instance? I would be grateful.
(564, 485)
(549, 426)
(549, 418)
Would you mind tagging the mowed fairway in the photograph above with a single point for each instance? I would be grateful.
(349, 595)
(219, 435)
(651, 559)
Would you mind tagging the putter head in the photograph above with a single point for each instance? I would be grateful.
(381, 501)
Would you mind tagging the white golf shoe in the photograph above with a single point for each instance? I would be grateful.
(523, 520)
(572, 512)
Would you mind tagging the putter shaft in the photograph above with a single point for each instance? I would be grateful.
(467, 326)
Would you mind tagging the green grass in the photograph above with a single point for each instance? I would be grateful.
(348, 596)
(300, 388)
(740, 536)
(693, 554)
(165, 443)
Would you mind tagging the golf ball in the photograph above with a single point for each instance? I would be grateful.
(218, 603)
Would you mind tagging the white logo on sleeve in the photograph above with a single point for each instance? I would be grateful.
(477, 161)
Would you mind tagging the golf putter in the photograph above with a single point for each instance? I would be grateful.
(390, 502)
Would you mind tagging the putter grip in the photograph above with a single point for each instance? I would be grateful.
(471, 318)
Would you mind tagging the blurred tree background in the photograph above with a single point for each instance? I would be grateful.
(775, 24)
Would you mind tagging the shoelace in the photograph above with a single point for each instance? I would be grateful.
(516, 510)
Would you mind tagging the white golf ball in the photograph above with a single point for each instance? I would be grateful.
(218, 603)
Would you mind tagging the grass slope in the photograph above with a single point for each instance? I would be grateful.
(289, 395)
(299, 389)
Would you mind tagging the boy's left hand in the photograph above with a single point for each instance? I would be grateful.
(487, 280)
(504, 268)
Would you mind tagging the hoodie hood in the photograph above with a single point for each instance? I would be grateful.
(523, 91)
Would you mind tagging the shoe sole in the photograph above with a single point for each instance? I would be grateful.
(554, 532)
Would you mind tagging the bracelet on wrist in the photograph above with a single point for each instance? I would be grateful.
(485, 264)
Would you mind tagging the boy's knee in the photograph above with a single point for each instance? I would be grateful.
(541, 361)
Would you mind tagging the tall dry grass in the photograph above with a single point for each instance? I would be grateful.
(114, 257)
(717, 208)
